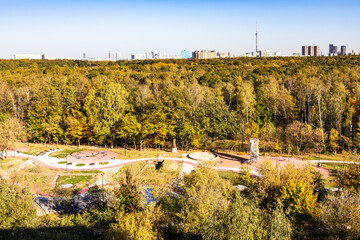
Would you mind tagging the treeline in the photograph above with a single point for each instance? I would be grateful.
(291, 104)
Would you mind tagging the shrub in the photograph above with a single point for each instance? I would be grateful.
(137, 225)
(80, 164)
(349, 178)
(16, 206)
(340, 214)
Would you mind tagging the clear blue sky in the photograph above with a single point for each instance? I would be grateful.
(65, 28)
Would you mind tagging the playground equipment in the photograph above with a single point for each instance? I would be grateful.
(254, 150)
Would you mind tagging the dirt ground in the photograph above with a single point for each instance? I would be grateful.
(236, 161)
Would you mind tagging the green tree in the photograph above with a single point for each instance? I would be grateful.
(128, 129)
(105, 108)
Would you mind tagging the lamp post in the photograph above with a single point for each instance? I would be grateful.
(102, 180)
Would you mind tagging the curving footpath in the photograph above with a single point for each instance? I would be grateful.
(52, 163)
(332, 161)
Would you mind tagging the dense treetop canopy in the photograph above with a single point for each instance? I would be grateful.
(297, 103)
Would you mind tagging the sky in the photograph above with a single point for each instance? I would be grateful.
(69, 28)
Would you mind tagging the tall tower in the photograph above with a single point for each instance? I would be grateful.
(256, 34)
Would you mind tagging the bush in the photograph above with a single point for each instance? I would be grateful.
(16, 206)
(137, 225)
(80, 164)
(289, 185)
(62, 162)
(340, 215)
(349, 178)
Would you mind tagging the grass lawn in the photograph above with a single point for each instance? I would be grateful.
(64, 153)
(75, 179)
(333, 170)
(334, 157)
(90, 171)
(231, 176)
(11, 162)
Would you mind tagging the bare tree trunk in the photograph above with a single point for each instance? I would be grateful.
(125, 148)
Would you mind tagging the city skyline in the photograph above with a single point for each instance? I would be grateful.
(71, 28)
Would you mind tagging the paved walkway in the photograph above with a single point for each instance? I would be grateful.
(53, 163)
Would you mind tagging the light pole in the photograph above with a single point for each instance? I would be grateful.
(102, 180)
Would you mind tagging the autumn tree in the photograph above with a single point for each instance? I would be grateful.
(11, 131)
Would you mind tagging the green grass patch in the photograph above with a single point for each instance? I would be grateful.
(64, 153)
(80, 164)
(231, 176)
(62, 162)
(90, 171)
(75, 179)
(11, 162)
(103, 163)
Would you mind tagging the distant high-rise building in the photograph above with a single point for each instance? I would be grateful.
(185, 54)
(205, 54)
(118, 56)
(44, 56)
(84, 55)
(335, 49)
(111, 56)
(304, 51)
(265, 53)
(331, 48)
(343, 50)
(316, 51)
(311, 51)
(196, 54)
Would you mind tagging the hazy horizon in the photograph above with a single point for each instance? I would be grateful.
(71, 28)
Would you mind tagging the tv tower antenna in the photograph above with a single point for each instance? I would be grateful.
(256, 34)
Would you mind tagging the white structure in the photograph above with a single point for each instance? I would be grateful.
(265, 53)
(32, 56)
(28, 56)
(111, 56)
(118, 56)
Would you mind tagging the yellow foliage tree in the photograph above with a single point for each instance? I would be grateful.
(300, 200)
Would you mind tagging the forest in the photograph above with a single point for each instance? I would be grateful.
(292, 104)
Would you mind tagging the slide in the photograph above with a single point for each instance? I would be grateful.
(254, 154)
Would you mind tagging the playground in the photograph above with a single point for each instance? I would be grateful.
(91, 157)
(96, 167)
